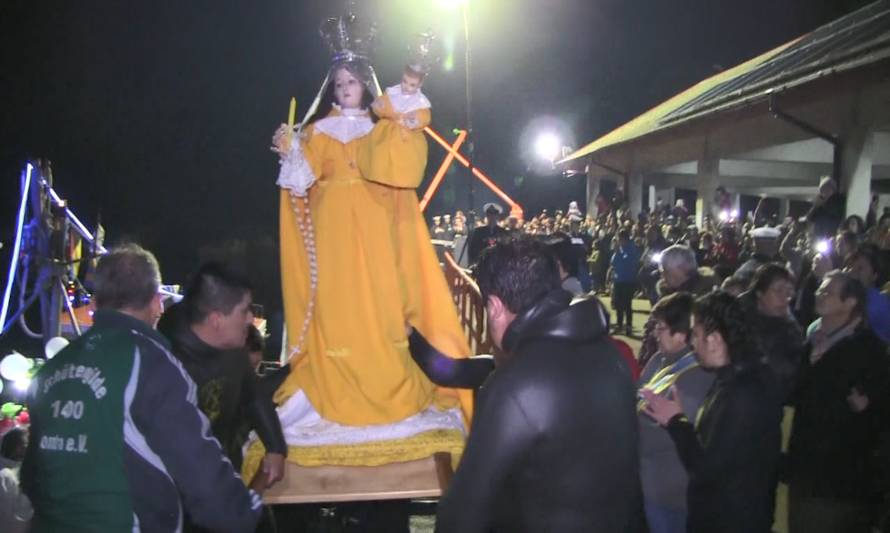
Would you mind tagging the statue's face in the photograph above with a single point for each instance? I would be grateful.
(410, 83)
(348, 89)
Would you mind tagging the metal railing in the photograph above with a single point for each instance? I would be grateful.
(470, 306)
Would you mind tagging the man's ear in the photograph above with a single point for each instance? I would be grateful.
(157, 306)
(495, 307)
(213, 319)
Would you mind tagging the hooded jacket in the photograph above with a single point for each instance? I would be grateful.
(553, 444)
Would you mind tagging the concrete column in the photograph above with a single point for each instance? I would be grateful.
(635, 193)
(667, 196)
(593, 189)
(784, 207)
(883, 201)
(706, 185)
(652, 198)
(856, 164)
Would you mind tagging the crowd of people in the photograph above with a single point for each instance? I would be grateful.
(572, 429)
(750, 316)
(621, 254)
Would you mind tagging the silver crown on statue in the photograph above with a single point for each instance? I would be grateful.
(348, 39)
(421, 56)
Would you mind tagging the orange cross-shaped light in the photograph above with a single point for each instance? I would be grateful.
(452, 154)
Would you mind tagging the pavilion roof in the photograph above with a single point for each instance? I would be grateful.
(850, 42)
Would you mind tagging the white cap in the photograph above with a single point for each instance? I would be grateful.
(766, 233)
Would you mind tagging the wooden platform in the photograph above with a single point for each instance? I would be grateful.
(423, 478)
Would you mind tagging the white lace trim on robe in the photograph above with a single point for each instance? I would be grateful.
(303, 426)
(346, 127)
(296, 174)
(405, 103)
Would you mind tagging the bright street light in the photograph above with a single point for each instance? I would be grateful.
(452, 3)
(547, 146)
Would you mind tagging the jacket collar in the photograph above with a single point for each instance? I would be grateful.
(556, 317)
(187, 343)
(109, 318)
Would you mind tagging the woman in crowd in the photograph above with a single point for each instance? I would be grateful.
(663, 476)
(768, 306)
(731, 451)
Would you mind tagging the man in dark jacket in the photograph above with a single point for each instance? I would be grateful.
(828, 209)
(731, 448)
(208, 330)
(553, 445)
(487, 235)
(840, 410)
(117, 442)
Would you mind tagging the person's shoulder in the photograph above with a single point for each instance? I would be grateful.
(155, 352)
(695, 375)
(707, 281)
(866, 343)
(538, 363)
(755, 382)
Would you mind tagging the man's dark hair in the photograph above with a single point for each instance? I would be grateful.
(767, 274)
(127, 277)
(675, 311)
(850, 287)
(12, 441)
(565, 253)
(871, 253)
(519, 272)
(721, 312)
(214, 287)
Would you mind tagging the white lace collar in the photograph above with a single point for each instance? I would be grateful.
(345, 125)
(405, 103)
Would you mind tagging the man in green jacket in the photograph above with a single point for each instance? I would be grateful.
(117, 442)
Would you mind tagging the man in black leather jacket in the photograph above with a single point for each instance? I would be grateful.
(208, 331)
(553, 444)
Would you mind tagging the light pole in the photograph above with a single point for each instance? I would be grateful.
(471, 140)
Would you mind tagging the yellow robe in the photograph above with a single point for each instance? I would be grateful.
(396, 155)
(377, 271)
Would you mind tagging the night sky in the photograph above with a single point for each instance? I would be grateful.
(159, 114)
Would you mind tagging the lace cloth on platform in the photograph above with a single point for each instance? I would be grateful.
(303, 426)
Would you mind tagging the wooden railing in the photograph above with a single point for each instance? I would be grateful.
(470, 306)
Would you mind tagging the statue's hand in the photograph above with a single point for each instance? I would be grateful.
(281, 141)
(409, 120)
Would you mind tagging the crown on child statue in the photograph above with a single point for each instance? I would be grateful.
(348, 39)
(421, 56)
